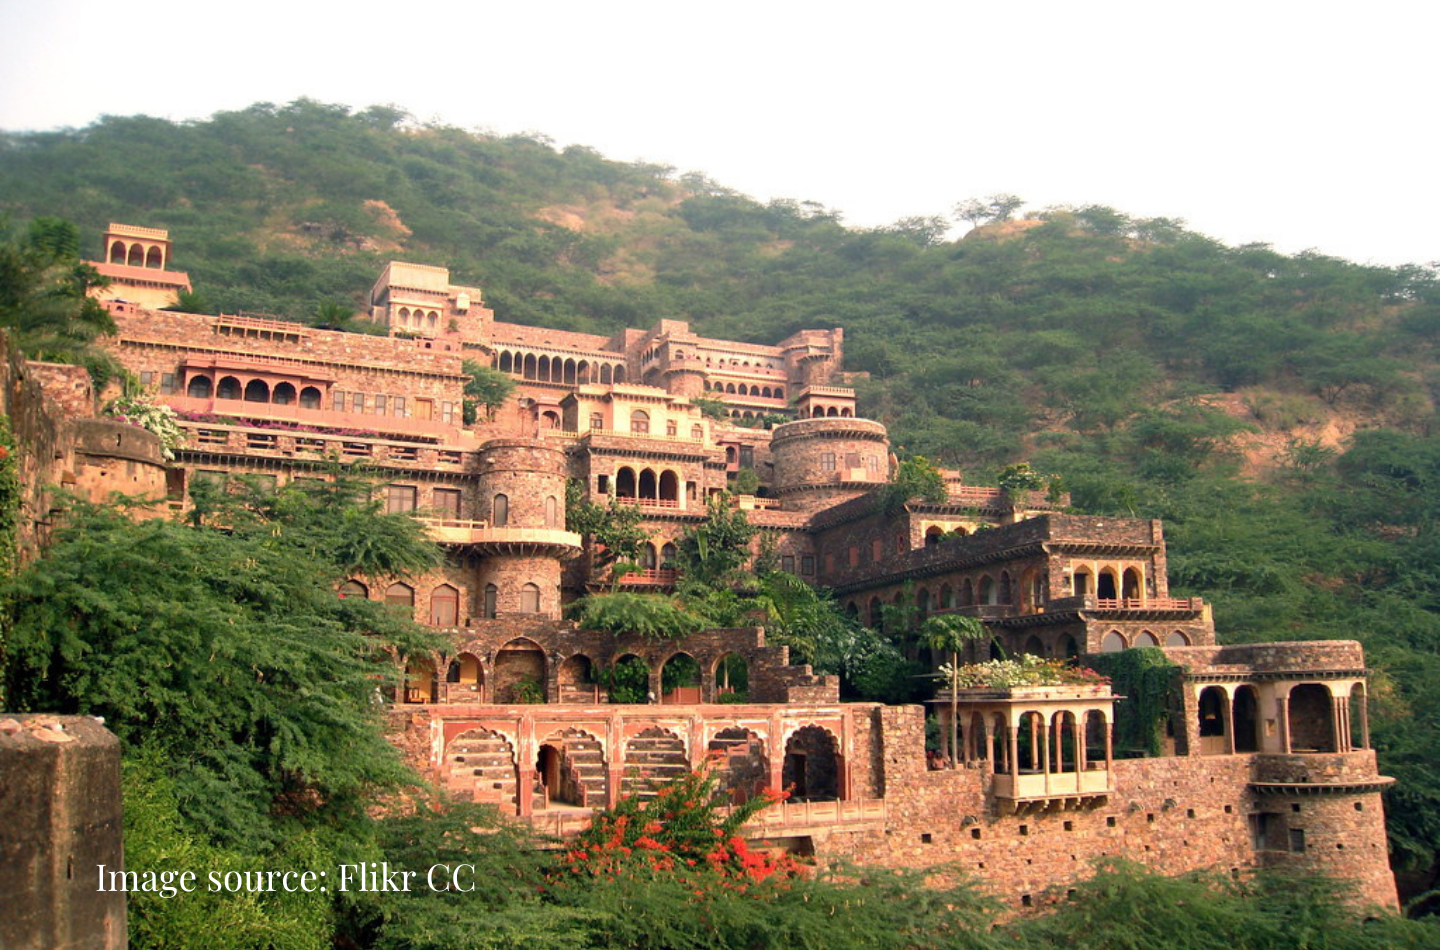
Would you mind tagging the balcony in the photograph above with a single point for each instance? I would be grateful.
(541, 541)
(1034, 786)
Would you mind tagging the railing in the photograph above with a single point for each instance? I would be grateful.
(648, 502)
(261, 323)
(829, 813)
(645, 435)
(654, 575)
(967, 495)
(1143, 603)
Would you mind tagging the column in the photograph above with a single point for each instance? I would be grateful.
(1282, 705)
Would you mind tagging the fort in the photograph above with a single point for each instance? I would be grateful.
(1265, 758)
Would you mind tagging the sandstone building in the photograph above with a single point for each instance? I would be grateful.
(1268, 760)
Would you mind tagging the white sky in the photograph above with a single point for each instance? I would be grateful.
(1305, 125)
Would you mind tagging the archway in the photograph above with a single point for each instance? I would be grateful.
(1312, 718)
(628, 680)
(419, 679)
(576, 680)
(1213, 710)
(571, 768)
(1082, 583)
(354, 589)
(1034, 645)
(444, 606)
(257, 391)
(229, 388)
(1113, 642)
(1131, 587)
(669, 487)
(1105, 590)
(732, 679)
(400, 595)
(519, 672)
(652, 758)
(464, 679)
(199, 387)
(1246, 719)
(1146, 639)
(742, 768)
(283, 395)
(1177, 639)
(625, 482)
(812, 767)
(680, 680)
(310, 398)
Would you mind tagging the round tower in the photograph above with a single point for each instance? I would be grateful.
(521, 490)
(822, 462)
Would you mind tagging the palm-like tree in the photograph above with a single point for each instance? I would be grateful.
(952, 632)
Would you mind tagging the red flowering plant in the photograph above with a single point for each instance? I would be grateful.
(684, 832)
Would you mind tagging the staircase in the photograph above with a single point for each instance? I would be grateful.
(652, 758)
(483, 767)
(585, 765)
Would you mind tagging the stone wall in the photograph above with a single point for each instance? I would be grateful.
(60, 798)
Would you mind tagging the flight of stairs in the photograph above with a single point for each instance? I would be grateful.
(582, 755)
(652, 758)
(483, 767)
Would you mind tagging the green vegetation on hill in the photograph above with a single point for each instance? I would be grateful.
(1277, 411)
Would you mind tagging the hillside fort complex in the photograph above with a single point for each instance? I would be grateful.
(1266, 758)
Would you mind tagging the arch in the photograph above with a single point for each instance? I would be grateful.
(779, 393)
(628, 680)
(404, 316)
(575, 678)
(922, 603)
(697, 433)
(1069, 647)
(445, 606)
(812, 765)
(625, 482)
(1007, 589)
(1065, 743)
(569, 372)
(669, 554)
(846, 413)
(1359, 721)
(1146, 639)
(1032, 742)
(652, 758)
(283, 395)
(137, 256)
(199, 387)
(1083, 582)
(1098, 741)
(605, 374)
(989, 592)
(947, 596)
(1312, 718)
(506, 362)
(1131, 587)
(492, 601)
(967, 593)
(500, 510)
(680, 680)
(1245, 718)
(1106, 588)
(480, 763)
(648, 488)
(1213, 711)
(1035, 646)
(257, 390)
(933, 534)
(619, 375)
(464, 679)
(1113, 642)
(419, 679)
(353, 588)
(310, 398)
(1000, 744)
(731, 677)
(550, 419)
(542, 369)
(529, 367)
(1177, 638)
(639, 422)
(582, 372)
(648, 556)
(117, 253)
(669, 486)
(529, 598)
(400, 595)
(229, 388)
(742, 767)
(730, 388)
(519, 672)
(153, 258)
(552, 512)
(1032, 591)
(742, 390)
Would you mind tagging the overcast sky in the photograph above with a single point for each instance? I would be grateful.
(1303, 125)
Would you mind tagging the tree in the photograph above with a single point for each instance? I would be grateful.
(712, 554)
(267, 681)
(190, 301)
(486, 387)
(914, 478)
(978, 211)
(952, 633)
(613, 533)
(651, 616)
(45, 302)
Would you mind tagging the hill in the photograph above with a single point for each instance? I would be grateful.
(1278, 411)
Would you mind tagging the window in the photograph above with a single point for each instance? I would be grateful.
(787, 563)
(671, 427)
(640, 422)
(399, 499)
(597, 420)
(500, 511)
(354, 589)
(747, 456)
(852, 460)
(697, 433)
(449, 413)
(398, 406)
(552, 512)
(444, 606)
(871, 463)
(381, 405)
(400, 595)
(447, 502)
(530, 599)
(492, 596)
(827, 462)
(854, 556)
(807, 565)
(340, 397)
(877, 550)
(146, 378)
